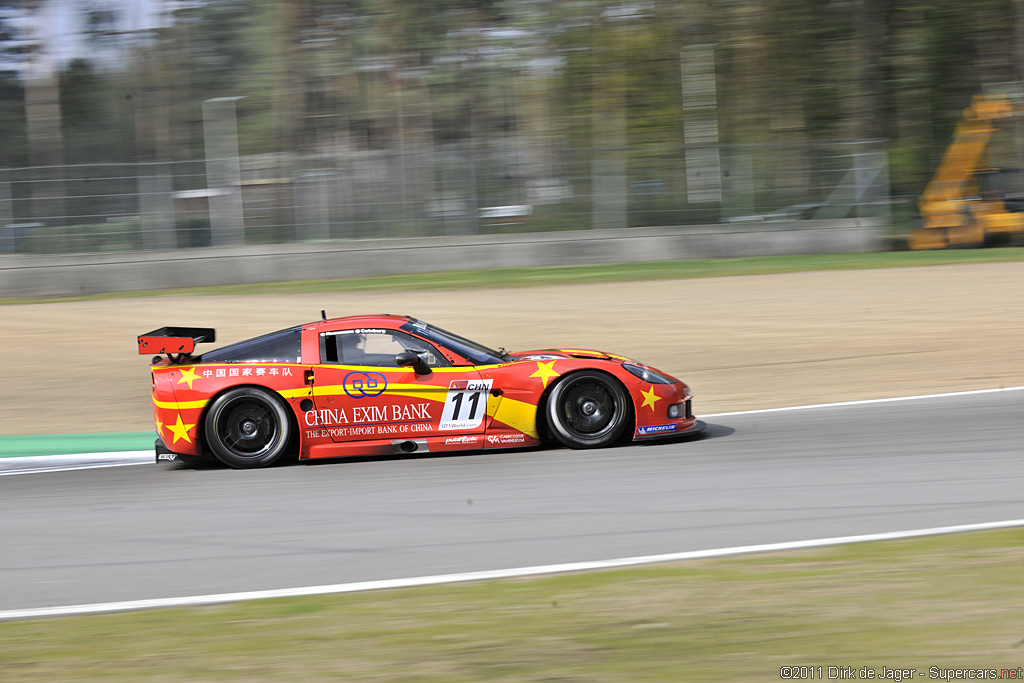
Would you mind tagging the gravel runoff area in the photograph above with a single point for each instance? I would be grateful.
(741, 342)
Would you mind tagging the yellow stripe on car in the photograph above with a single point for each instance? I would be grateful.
(516, 414)
(182, 405)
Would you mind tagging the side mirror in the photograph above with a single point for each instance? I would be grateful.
(407, 358)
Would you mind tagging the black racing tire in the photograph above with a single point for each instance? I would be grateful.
(247, 427)
(587, 409)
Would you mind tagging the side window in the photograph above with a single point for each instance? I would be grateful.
(375, 347)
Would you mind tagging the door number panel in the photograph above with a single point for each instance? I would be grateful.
(466, 404)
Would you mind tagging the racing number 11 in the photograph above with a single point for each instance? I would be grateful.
(471, 393)
(457, 401)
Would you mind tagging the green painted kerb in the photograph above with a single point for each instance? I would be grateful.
(67, 444)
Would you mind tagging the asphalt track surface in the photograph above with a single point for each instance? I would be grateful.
(134, 533)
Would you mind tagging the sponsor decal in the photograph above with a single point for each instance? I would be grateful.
(410, 412)
(506, 438)
(372, 430)
(189, 374)
(366, 330)
(365, 384)
(655, 429)
(462, 440)
(166, 456)
(326, 416)
(465, 404)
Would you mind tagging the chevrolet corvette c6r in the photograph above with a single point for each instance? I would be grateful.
(388, 384)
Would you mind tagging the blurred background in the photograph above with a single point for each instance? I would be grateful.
(161, 124)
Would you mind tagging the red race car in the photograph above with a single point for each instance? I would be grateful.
(390, 384)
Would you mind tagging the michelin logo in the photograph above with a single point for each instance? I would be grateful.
(655, 429)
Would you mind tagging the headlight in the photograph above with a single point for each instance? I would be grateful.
(648, 375)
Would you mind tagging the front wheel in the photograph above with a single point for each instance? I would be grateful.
(247, 427)
(587, 410)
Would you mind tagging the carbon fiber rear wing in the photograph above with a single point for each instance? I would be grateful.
(177, 342)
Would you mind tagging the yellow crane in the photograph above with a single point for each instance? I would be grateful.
(966, 203)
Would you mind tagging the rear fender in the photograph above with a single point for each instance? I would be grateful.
(174, 423)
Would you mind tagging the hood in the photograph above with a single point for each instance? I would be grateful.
(556, 354)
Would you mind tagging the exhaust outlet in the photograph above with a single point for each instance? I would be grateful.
(410, 446)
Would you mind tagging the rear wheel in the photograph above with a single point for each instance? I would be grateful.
(247, 427)
(587, 410)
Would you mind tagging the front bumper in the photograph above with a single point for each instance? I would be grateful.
(668, 430)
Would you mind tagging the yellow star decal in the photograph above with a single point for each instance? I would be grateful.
(649, 399)
(159, 429)
(545, 371)
(188, 375)
(180, 431)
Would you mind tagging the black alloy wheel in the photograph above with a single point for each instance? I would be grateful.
(247, 427)
(587, 410)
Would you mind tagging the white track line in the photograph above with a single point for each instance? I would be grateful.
(78, 461)
(868, 401)
(195, 600)
(96, 466)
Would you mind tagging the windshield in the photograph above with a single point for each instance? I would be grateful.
(477, 353)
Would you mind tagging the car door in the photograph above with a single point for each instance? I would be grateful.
(361, 393)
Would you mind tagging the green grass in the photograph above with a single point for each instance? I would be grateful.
(60, 444)
(946, 601)
(564, 275)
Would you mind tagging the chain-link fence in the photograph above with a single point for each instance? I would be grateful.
(426, 190)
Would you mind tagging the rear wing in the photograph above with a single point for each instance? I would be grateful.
(175, 341)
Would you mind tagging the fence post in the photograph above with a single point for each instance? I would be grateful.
(700, 124)
(223, 172)
(312, 205)
(737, 184)
(7, 243)
(156, 208)
(474, 199)
(609, 192)
(872, 180)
